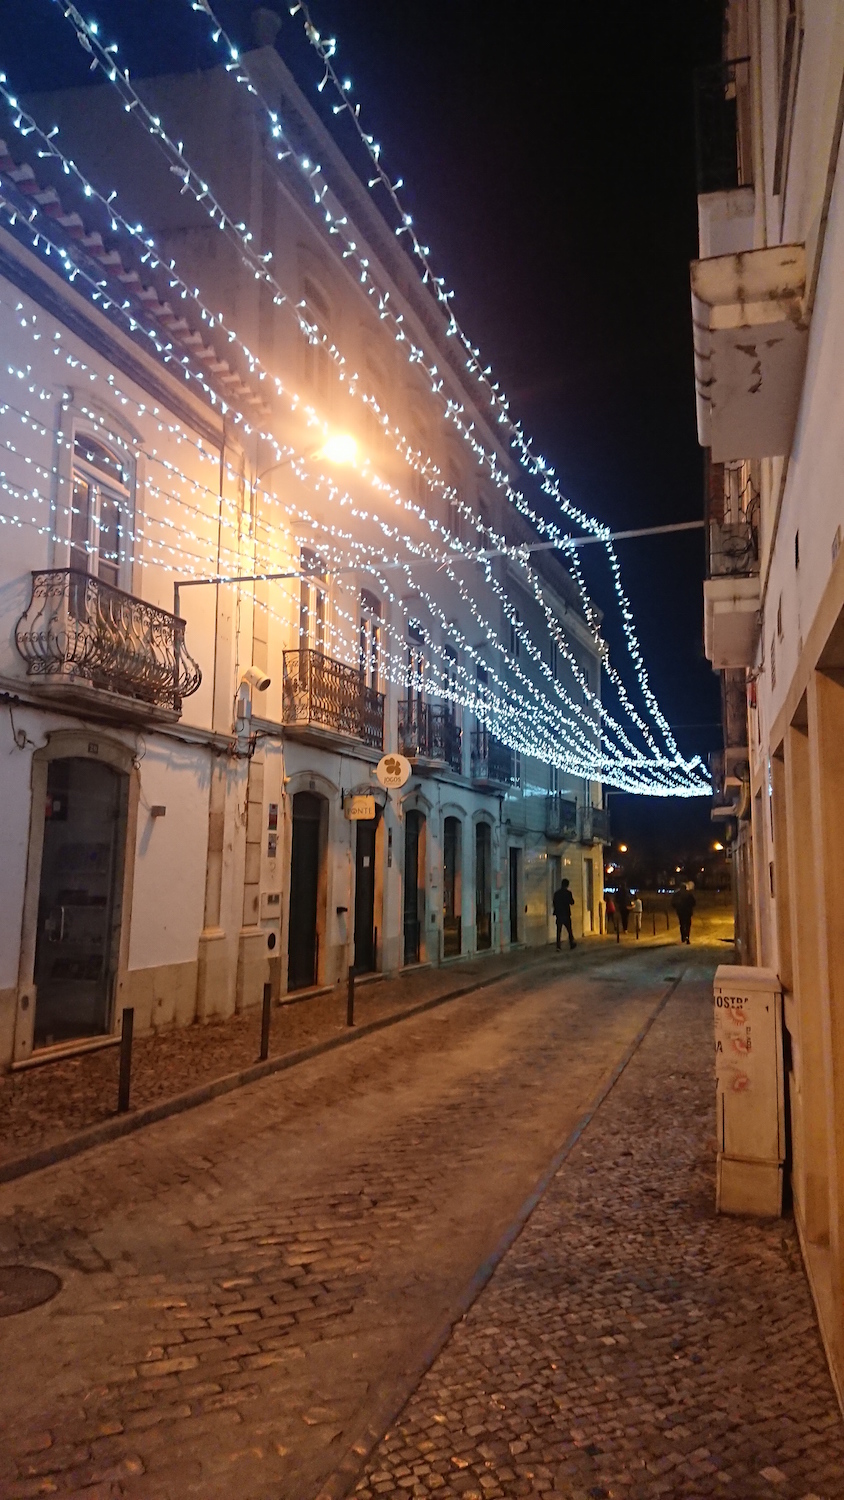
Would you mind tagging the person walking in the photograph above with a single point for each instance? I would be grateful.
(684, 904)
(563, 902)
(638, 909)
(612, 915)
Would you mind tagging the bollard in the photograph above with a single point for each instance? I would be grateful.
(667, 923)
(266, 1011)
(653, 914)
(617, 929)
(125, 1075)
(350, 1001)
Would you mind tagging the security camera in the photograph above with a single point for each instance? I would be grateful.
(253, 677)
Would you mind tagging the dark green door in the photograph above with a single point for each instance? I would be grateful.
(80, 899)
(302, 946)
(365, 896)
(412, 925)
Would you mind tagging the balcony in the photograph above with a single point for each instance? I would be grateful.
(560, 817)
(491, 762)
(92, 643)
(731, 590)
(750, 341)
(428, 732)
(726, 200)
(323, 698)
(734, 718)
(595, 825)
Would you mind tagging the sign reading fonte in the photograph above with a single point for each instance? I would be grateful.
(360, 808)
(393, 770)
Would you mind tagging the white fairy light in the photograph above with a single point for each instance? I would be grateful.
(109, 304)
(336, 220)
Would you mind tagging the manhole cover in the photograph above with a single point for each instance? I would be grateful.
(22, 1287)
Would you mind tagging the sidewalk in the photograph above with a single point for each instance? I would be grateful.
(631, 1343)
(43, 1106)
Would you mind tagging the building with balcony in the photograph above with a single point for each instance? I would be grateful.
(768, 325)
(213, 626)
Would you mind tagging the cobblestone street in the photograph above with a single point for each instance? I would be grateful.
(246, 1287)
(632, 1344)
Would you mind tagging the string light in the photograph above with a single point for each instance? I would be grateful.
(30, 125)
(535, 464)
(47, 242)
(75, 362)
(498, 708)
(336, 220)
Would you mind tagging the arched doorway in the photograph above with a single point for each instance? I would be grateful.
(414, 884)
(365, 936)
(452, 886)
(305, 860)
(80, 899)
(483, 886)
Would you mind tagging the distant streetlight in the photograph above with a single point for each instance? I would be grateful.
(717, 847)
(622, 848)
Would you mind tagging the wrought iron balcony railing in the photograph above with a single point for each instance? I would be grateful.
(595, 825)
(732, 515)
(734, 547)
(734, 710)
(330, 695)
(427, 731)
(560, 817)
(81, 630)
(721, 111)
(490, 760)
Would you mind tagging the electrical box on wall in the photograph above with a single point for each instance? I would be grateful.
(270, 905)
(749, 1074)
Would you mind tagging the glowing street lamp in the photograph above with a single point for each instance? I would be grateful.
(340, 448)
(717, 847)
(622, 848)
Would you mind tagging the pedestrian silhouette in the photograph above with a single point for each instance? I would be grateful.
(563, 902)
(684, 904)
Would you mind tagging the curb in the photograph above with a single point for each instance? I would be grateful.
(123, 1125)
(394, 1393)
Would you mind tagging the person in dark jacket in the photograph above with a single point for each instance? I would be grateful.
(684, 904)
(624, 902)
(563, 903)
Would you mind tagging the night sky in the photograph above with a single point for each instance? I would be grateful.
(548, 156)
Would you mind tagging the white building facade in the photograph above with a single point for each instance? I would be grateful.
(219, 613)
(768, 311)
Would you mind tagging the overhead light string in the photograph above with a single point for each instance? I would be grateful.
(88, 35)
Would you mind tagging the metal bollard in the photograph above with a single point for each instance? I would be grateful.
(653, 914)
(125, 1076)
(266, 1012)
(617, 930)
(350, 999)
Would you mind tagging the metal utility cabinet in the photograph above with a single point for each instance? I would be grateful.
(750, 1094)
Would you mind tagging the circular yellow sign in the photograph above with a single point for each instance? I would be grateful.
(393, 770)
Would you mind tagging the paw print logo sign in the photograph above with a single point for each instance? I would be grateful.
(393, 771)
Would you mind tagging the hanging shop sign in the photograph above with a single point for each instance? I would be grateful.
(359, 808)
(393, 770)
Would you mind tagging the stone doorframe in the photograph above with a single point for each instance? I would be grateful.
(64, 744)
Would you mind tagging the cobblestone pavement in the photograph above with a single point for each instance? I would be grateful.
(631, 1343)
(42, 1105)
(242, 1281)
